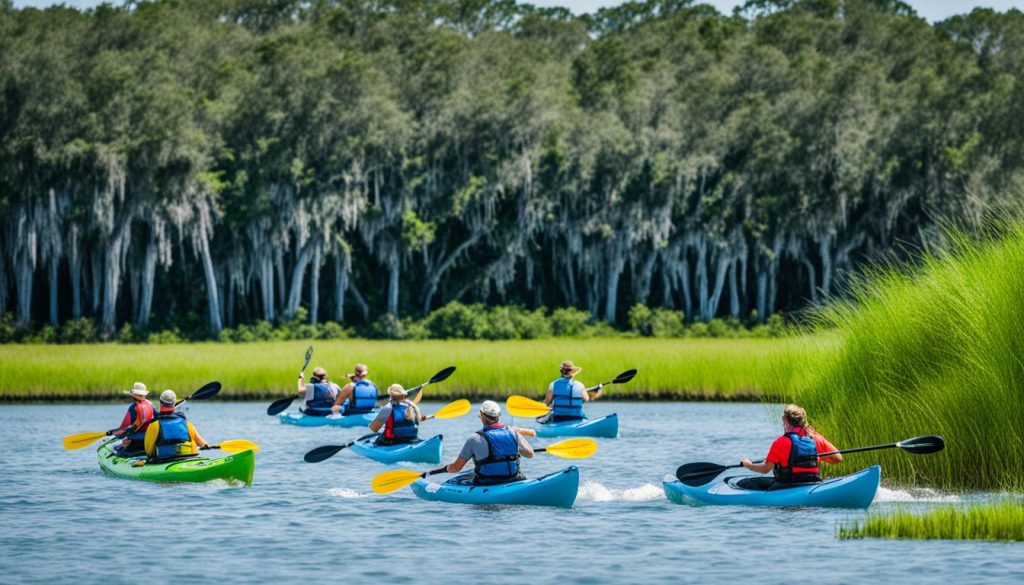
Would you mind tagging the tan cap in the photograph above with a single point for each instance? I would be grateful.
(397, 390)
(319, 373)
(139, 389)
(570, 368)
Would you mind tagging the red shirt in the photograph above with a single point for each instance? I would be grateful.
(779, 452)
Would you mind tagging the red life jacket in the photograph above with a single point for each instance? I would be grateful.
(141, 414)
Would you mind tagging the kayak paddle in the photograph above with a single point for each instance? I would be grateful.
(389, 481)
(438, 377)
(522, 406)
(282, 404)
(79, 440)
(620, 379)
(453, 410)
(235, 446)
(698, 474)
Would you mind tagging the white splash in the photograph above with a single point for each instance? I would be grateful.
(595, 492)
(914, 495)
(345, 493)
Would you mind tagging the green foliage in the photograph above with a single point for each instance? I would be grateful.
(81, 330)
(569, 321)
(998, 521)
(936, 351)
(657, 322)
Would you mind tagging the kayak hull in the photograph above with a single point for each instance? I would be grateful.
(555, 489)
(303, 420)
(234, 467)
(426, 451)
(856, 490)
(606, 426)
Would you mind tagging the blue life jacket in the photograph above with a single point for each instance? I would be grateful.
(399, 429)
(502, 462)
(803, 461)
(173, 439)
(567, 399)
(364, 398)
(323, 400)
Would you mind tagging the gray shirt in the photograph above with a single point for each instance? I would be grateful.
(477, 450)
(311, 392)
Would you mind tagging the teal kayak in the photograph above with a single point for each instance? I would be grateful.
(856, 490)
(334, 420)
(236, 467)
(555, 489)
(423, 451)
(606, 426)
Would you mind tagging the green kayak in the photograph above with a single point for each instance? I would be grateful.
(237, 466)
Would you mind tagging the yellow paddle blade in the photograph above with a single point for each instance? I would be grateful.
(239, 445)
(454, 410)
(72, 442)
(573, 448)
(389, 481)
(522, 406)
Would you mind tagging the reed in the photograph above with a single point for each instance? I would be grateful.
(702, 369)
(998, 521)
(939, 350)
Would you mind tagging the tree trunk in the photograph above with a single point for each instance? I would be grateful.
(314, 286)
(75, 272)
(616, 264)
(720, 271)
(24, 270)
(734, 296)
(394, 273)
(342, 266)
(112, 279)
(364, 307)
(212, 296)
(812, 276)
(434, 275)
(267, 288)
(298, 275)
(702, 279)
(54, 265)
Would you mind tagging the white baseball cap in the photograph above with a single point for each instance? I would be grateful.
(139, 389)
(168, 397)
(490, 408)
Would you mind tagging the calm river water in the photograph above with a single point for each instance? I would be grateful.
(62, 520)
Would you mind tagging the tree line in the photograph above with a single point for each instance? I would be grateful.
(226, 162)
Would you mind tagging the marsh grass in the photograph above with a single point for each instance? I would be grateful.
(1000, 521)
(728, 369)
(937, 351)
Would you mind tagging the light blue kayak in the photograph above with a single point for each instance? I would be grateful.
(555, 489)
(424, 451)
(606, 426)
(856, 490)
(334, 420)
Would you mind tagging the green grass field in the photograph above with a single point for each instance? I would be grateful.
(1001, 521)
(728, 369)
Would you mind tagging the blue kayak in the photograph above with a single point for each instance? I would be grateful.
(555, 489)
(606, 426)
(424, 451)
(856, 490)
(334, 420)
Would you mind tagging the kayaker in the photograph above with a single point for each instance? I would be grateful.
(400, 418)
(566, 396)
(320, 393)
(495, 449)
(135, 422)
(793, 457)
(359, 396)
(171, 436)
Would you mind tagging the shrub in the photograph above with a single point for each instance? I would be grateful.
(332, 330)
(81, 330)
(48, 334)
(667, 323)
(568, 322)
(457, 321)
(172, 335)
(531, 324)
(640, 317)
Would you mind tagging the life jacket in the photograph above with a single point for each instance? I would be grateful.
(502, 462)
(364, 398)
(802, 466)
(399, 429)
(323, 400)
(142, 414)
(173, 440)
(567, 399)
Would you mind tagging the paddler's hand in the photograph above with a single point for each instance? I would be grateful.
(336, 408)
(746, 463)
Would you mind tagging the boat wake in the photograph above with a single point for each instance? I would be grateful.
(914, 495)
(345, 493)
(593, 491)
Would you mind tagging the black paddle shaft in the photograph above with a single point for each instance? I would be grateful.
(620, 379)
(327, 451)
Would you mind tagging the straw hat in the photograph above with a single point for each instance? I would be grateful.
(396, 391)
(570, 369)
(139, 389)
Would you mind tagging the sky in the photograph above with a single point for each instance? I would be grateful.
(932, 10)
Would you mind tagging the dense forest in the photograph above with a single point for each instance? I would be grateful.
(235, 161)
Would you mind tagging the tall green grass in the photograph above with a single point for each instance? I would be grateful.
(731, 369)
(937, 351)
(1002, 521)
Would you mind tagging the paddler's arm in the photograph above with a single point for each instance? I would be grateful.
(457, 465)
(465, 455)
(525, 449)
(763, 467)
(586, 395)
(194, 435)
(342, 396)
(826, 447)
(381, 418)
(302, 385)
(126, 422)
(550, 396)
